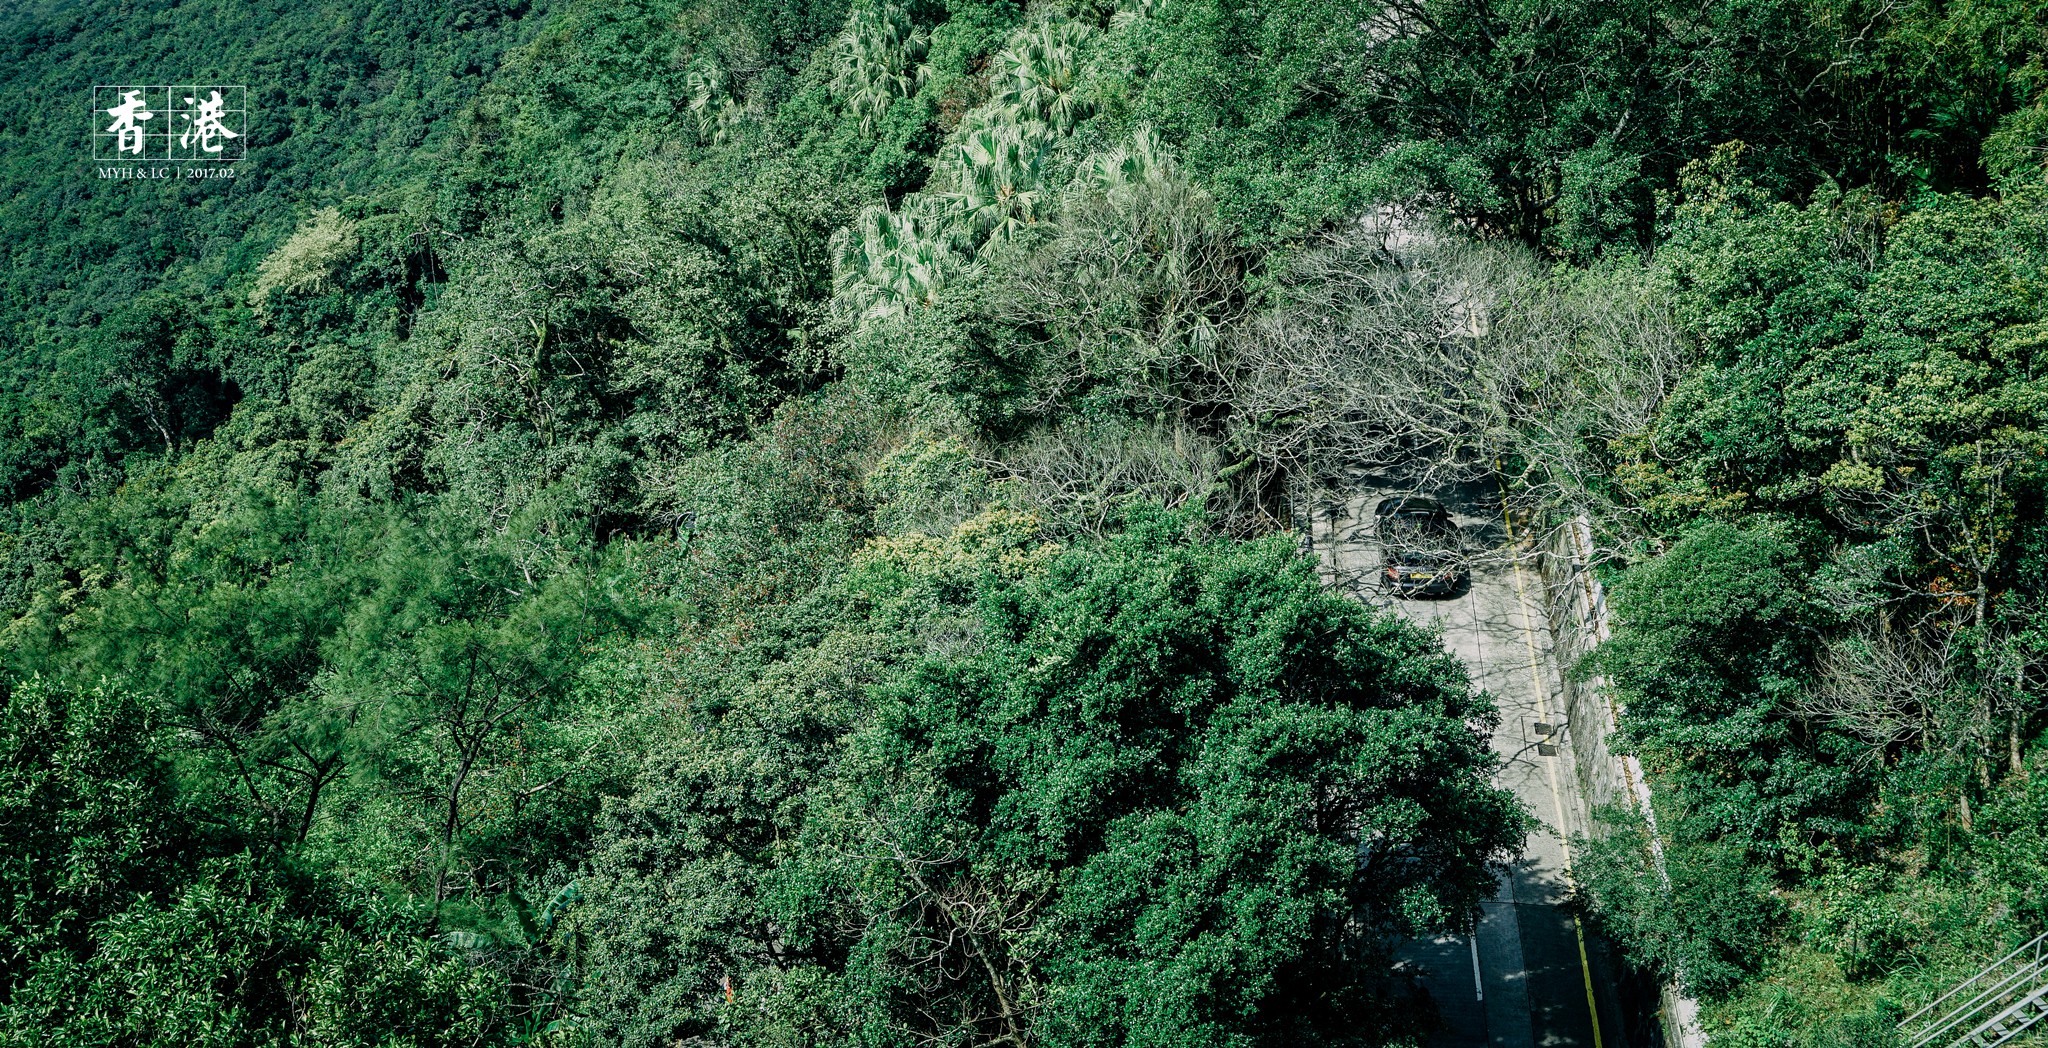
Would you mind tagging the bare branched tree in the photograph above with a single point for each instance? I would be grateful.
(963, 936)
(1956, 504)
(1415, 356)
(1886, 687)
(1080, 473)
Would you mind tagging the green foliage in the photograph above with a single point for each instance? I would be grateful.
(890, 263)
(876, 60)
(1849, 349)
(929, 486)
(240, 958)
(1038, 75)
(1700, 911)
(129, 923)
(84, 253)
(711, 102)
(996, 171)
(309, 258)
(1129, 288)
(1155, 792)
(88, 807)
(1832, 673)
(1301, 112)
(561, 547)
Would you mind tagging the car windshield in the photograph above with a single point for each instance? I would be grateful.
(1432, 528)
(1419, 536)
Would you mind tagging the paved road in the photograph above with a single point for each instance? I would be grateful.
(1541, 980)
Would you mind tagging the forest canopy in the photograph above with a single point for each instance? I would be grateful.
(740, 522)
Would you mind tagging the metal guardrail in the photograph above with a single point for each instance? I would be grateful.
(2007, 998)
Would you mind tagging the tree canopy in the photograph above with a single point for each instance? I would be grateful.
(731, 522)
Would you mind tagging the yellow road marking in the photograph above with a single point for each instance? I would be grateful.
(1556, 796)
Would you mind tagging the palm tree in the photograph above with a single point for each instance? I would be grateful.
(995, 169)
(1039, 71)
(1140, 162)
(711, 100)
(890, 263)
(876, 60)
(1150, 234)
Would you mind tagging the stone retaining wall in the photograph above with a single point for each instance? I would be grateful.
(1576, 605)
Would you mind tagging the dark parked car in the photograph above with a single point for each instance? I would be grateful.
(1419, 547)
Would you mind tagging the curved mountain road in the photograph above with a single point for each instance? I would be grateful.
(1531, 975)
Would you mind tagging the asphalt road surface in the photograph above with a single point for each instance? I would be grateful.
(1531, 976)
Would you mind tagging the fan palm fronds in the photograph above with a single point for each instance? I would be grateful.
(1141, 161)
(996, 172)
(877, 59)
(888, 263)
(712, 103)
(1039, 72)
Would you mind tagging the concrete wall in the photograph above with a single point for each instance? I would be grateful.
(1576, 605)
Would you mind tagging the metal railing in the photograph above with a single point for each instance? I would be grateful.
(1991, 1007)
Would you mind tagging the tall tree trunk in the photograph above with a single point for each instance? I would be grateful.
(448, 827)
(2012, 742)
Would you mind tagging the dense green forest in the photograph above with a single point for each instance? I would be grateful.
(745, 522)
